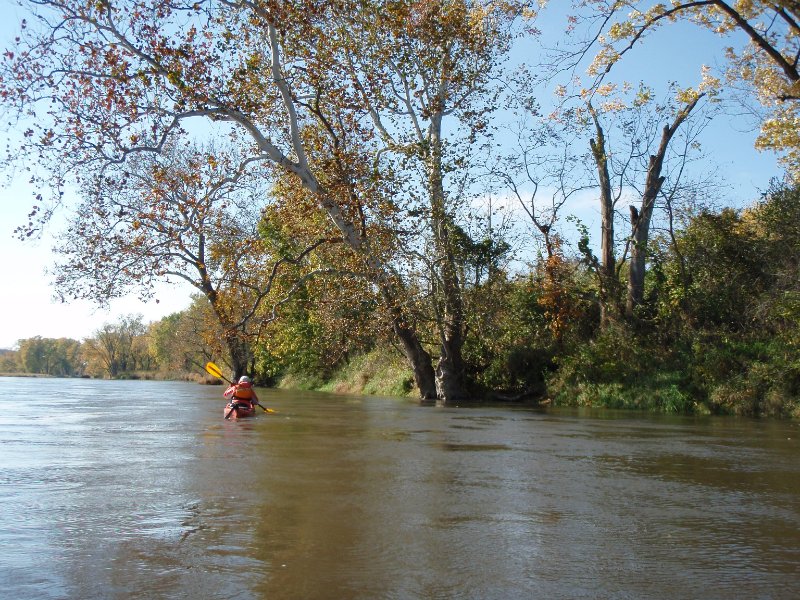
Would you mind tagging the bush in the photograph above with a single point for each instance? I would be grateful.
(620, 369)
(762, 390)
(746, 374)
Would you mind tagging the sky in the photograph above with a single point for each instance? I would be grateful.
(27, 307)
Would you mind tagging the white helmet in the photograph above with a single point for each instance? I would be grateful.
(244, 379)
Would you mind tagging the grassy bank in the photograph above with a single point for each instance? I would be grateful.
(378, 373)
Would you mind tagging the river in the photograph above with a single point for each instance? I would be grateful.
(139, 489)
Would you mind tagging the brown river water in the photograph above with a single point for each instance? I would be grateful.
(138, 489)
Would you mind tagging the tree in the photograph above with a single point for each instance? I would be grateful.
(112, 350)
(48, 356)
(9, 361)
(767, 64)
(729, 304)
(544, 171)
(775, 219)
(641, 164)
(165, 346)
(186, 341)
(100, 83)
(742, 266)
(425, 72)
(607, 267)
(33, 355)
(641, 218)
(542, 176)
(175, 215)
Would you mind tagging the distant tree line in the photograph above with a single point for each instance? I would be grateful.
(127, 348)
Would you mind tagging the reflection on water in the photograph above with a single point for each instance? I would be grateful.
(141, 489)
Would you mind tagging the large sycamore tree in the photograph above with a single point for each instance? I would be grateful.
(427, 73)
(93, 84)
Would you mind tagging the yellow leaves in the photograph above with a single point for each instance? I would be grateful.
(687, 95)
(478, 17)
(622, 30)
(613, 105)
(651, 14)
(746, 8)
(606, 89)
(174, 78)
(643, 96)
(709, 84)
(781, 133)
(254, 61)
(765, 62)
(603, 60)
(614, 98)
(770, 85)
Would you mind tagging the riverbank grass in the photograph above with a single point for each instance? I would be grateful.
(377, 373)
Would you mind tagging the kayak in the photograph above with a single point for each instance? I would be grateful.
(240, 411)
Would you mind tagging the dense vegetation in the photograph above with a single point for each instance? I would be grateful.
(327, 176)
(719, 331)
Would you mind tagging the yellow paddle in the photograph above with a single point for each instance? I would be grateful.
(217, 372)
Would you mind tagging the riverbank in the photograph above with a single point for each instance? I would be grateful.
(384, 373)
(377, 373)
(42, 375)
(582, 384)
(203, 379)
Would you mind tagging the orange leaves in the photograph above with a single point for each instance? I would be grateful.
(47, 137)
(556, 296)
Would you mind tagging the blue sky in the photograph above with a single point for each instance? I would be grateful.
(26, 296)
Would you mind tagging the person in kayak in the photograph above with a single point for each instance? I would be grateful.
(242, 394)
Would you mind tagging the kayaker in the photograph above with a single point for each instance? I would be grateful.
(242, 394)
